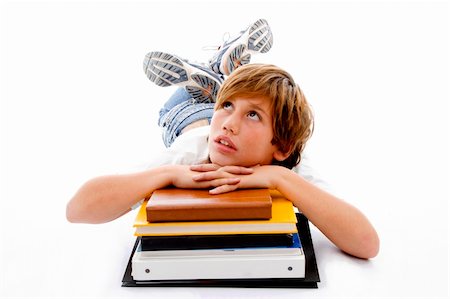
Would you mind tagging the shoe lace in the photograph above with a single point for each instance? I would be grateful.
(225, 38)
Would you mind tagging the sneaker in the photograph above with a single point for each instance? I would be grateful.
(257, 38)
(165, 69)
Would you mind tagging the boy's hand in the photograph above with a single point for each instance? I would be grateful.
(214, 174)
(255, 177)
(182, 176)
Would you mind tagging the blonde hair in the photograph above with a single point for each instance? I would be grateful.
(293, 120)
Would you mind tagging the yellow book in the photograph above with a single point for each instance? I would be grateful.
(283, 221)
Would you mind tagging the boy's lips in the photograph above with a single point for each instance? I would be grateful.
(225, 142)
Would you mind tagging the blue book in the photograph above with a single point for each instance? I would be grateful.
(293, 248)
(215, 241)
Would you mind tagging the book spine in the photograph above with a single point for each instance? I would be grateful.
(253, 213)
(217, 241)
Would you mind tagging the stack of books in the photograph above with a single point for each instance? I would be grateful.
(245, 238)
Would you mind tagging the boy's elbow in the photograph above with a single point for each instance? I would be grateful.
(374, 248)
(80, 209)
(81, 214)
(76, 215)
(77, 209)
(73, 214)
(70, 217)
(370, 246)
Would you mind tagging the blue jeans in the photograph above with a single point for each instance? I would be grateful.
(180, 111)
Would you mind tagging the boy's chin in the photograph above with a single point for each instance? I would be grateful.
(221, 161)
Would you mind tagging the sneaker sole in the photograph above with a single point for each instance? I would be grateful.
(165, 69)
(260, 38)
(257, 38)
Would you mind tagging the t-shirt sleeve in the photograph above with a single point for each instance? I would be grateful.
(137, 205)
(306, 170)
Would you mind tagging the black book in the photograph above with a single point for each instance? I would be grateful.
(309, 281)
(149, 243)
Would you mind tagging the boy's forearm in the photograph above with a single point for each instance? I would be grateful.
(342, 223)
(105, 198)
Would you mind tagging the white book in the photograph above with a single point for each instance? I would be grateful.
(218, 264)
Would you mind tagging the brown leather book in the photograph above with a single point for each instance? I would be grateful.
(172, 204)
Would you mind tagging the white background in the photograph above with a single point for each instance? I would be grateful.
(75, 104)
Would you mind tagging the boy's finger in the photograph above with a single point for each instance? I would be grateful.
(215, 175)
(203, 177)
(237, 169)
(204, 167)
(223, 189)
(225, 181)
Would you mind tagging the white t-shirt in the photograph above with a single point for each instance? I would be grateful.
(191, 148)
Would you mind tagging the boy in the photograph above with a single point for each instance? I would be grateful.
(249, 133)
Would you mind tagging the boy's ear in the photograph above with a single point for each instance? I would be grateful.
(281, 156)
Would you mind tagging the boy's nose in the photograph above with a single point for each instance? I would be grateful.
(231, 124)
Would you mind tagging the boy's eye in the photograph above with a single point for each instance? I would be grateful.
(227, 105)
(253, 115)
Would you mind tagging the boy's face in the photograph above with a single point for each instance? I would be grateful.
(241, 133)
